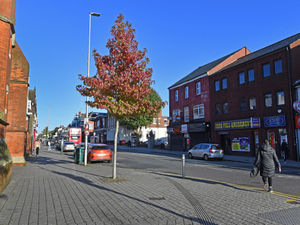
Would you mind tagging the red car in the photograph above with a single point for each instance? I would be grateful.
(99, 152)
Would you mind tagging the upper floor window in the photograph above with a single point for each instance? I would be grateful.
(186, 114)
(268, 100)
(251, 75)
(176, 95)
(218, 109)
(224, 83)
(198, 111)
(158, 121)
(154, 120)
(176, 112)
(186, 92)
(198, 88)
(165, 122)
(278, 66)
(252, 103)
(217, 85)
(225, 108)
(243, 105)
(242, 77)
(280, 98)
(266, 70)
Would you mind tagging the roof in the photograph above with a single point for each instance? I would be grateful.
(202, 70)
(264, 51)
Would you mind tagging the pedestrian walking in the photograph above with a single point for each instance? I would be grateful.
(37, 151)
(267, 159)
(284, 150)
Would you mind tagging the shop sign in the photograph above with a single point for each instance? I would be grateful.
(252, 122)
(170, 130)
(274, 121)
(241, 144)
(297, 120)
(296, 106)
(176, 130)
(184, 128)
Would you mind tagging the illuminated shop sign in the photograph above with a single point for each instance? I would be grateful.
(274, 121)
(252, 122)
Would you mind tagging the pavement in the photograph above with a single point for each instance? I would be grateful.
(233, 158)
(51, 189)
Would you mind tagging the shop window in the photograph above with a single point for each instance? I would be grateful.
(217, 85)
(186, 114)
(225, 108)
(268, 100)
(243, 105)
(266, 70)
(198, 88)
(224, 83)
(218, 109)
(252, 103)
(198, 111)
(251, 76)
(242, 77)
(280, 98)
(278, 66)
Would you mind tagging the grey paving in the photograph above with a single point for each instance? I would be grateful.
(51, 189)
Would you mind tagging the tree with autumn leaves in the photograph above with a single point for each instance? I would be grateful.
(122, 84)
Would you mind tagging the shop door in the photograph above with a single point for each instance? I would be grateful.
(226, 143)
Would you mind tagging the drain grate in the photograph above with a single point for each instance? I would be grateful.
(157, 198)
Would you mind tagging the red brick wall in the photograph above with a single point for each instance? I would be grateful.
(7, 9)
(16, 135)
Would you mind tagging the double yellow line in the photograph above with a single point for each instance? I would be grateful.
(290, 198)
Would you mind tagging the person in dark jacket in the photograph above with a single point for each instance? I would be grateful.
(284, 150)
(268, 159)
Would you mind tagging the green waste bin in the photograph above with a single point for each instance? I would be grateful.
(79, 153)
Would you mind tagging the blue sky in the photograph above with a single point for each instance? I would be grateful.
(179, 37)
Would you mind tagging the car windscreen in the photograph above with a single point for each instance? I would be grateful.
(99, 147)
(216, 147)
(69, 143)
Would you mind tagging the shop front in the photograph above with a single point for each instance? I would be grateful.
(238, 137)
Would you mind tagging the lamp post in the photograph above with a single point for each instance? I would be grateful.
(86, 121)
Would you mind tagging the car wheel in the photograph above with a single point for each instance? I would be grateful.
(205, 157)
(190, 155)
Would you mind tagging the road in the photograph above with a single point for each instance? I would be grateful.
(287, 182)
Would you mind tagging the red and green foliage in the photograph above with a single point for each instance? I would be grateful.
(123, 81)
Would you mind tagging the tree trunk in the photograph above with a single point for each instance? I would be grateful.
(115, 150)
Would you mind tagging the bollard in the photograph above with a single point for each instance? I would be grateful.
(183, 163)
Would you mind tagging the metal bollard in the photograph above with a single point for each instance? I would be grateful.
(183, 163)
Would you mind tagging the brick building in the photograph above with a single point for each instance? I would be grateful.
(190, 104)
(252, 99)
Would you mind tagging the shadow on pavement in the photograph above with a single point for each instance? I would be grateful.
(88, 182)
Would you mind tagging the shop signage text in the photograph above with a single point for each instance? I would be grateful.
(274, 121)
(296, 106)
(253, 122)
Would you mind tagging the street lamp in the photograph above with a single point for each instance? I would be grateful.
(86, 121)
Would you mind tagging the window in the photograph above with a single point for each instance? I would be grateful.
(225, 108)
(278, 66)
(251, 75)
(252, 103)
(154, 120)
(243, 105)
(224, 83)
(198, 111)
(176, 112)
(186, 92)
(165, 122)
(198, 88)
(176, 95)
(186, 114)
(280, 98)
(217, 85)
(242, 78)
(218, 109)
(268, 100)
(266, 70)
(158, 121)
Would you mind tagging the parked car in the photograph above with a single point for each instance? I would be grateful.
(68, 146)
(122, 142)
(206, 151)
(162, 143)
(99, 152)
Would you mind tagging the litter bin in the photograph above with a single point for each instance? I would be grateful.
(79, 155)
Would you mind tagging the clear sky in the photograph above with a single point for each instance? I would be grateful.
(179, 37)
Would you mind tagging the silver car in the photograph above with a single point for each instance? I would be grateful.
(206, 151)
